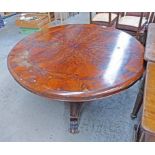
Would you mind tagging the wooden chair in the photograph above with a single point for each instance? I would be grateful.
(145, 132)
(132, 22)
(149, 55)
(144, 31)
(152, 17)
(103, 18)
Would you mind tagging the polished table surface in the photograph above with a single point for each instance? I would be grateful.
(150, 43)
(77, 63)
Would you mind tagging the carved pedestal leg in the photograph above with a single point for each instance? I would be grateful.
(75, 109)
(139, 99)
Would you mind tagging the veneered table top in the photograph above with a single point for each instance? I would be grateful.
(77, 62)
(150, 43)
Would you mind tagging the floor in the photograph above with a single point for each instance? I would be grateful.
(28, 117)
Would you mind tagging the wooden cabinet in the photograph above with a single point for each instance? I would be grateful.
(34, 20)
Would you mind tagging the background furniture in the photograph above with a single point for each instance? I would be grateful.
(7, 14)
(77, 63)
(146, 130)
(32, 20)
(63, 15)
(103, 18)
(148, 56)
(133, 22)
(29, 23)
(152, 17)
(150, 44)
(1, 22)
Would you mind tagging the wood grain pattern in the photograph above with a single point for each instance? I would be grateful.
(77, 63)
(148, 116)
(150, 43)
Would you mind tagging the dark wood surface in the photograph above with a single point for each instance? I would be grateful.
(77, 63)
(150, 43)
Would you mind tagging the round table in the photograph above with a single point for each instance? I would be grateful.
(77, 63)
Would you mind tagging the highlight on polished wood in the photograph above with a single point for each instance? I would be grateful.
(77, 62)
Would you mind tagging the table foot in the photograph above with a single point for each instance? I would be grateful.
(133, 116)
(75, 109)
(74, 126)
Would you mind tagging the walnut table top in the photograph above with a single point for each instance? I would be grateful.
(77, 62)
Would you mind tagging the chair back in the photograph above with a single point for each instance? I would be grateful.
(110, 21)
(138, 14)
(131, 27)
(134, 14)
(152, 17)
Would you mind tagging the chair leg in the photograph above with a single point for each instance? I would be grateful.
(136, 132)
(139, 99)
(142, 137)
